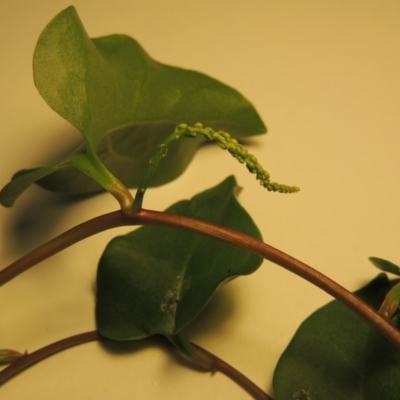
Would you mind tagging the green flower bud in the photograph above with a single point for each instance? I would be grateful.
(9, 356)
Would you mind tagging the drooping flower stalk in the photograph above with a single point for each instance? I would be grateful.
(226, 142)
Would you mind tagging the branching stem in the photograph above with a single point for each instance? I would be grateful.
(147, 217)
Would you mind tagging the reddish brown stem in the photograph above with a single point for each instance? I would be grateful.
(232, 373)
(66, 239)
(54, 348)
(146, 217)
(39, 355)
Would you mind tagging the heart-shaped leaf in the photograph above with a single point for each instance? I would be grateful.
(336, 355)
(156, 280)
(125, 104)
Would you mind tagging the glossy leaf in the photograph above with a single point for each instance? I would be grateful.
(125, 104)
(156, 280)
(336, 355)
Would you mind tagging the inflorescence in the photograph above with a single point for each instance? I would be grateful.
(226, 142)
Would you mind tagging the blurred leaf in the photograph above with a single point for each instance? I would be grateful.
(392, 299)
(8, 356)
(21, 181)
(156, 280)
(391, 302)
(336, 355)
(125, 104)
(385, 265)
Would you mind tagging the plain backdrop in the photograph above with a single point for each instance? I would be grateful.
(325, 78)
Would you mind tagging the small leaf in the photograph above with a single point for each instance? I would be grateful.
(21, 181)
(125, 104)
(156, 280)
(87, 163)
(8, 356)
(336, 355)
(391, 302)
(385, 265)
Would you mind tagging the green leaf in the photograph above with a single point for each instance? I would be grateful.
(124, 103)
(156, 280)
(8, 356)
(385, 265)
(21, 181)
(336, 355)
(87, 163)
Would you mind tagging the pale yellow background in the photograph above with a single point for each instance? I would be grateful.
(325, 77)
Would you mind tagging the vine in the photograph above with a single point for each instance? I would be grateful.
(154, 281)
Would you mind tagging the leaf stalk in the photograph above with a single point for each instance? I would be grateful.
(90, 164)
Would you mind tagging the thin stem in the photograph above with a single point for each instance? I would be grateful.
(61, 242)
(232, 373)
(209, 362)
(38, 355)
(196, 356)
(153, 165)
(64, 344)
(146, 217)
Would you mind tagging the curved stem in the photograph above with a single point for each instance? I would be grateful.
(209, 362)
(147, 217)
(284, 260)
(61, 242)
(153, 165)
(226, 142)
(38, 355)
(89, 163)
(64, 344)
(198, 357)
(235, 375)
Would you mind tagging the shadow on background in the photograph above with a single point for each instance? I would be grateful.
(37, 212)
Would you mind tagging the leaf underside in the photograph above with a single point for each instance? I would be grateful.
(336, 355)
(157, 280)
(125, 104)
